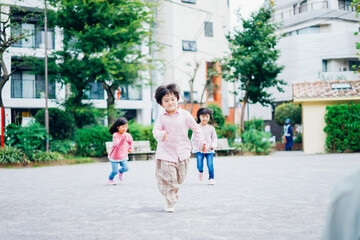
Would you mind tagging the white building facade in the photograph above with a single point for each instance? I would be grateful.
(24, 94)
(191, 32)
(317, 44)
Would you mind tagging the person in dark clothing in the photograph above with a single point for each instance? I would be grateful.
(288, 135)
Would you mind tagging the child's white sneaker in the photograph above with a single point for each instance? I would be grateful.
(212, 181)
(201, 175)
(169, 209)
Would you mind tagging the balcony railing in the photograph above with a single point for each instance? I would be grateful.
(26, 88)
(332, 76)
(298, 9)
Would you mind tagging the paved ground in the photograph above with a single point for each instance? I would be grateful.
(281, 196)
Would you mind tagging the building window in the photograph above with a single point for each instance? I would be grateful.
(129, 93)
(189, 46)
(208, 27)
(346, 5)
(36, 36)
(187, 96)
(303, 7)
(28, 22)
(25, 84)
(95, 91)
(308, 30)
(354, 65)
(189, 1)
(324, 65)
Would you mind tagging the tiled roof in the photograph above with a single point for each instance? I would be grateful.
(326, 89)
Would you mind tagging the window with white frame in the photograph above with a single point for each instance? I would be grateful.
(95, 91)
(187, 96)
(26, 84)
(208, 28)
(28, 23)
(189, 1)
(346, 5)
(189, 46)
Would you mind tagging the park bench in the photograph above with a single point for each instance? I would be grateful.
(223, 146)
(139, 148)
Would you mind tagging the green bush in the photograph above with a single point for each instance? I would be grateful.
(61, 124)
(46, 157)
(62, 146)
(9, 154)
(256, 123)
(342, 127)
(29, 139)
(298, 138)
(218, 116)
(254, 141)
(90, 141)
(140, 132)
(288, 110)
(228, 131)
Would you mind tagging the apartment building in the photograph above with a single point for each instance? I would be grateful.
(317, 44)
(191, 33)
(24, 94)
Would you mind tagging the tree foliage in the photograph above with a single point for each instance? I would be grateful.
(288, 111)
(253, 59)
(342, 127)
(102, 43)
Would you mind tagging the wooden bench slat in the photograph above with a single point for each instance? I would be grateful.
(139, 148)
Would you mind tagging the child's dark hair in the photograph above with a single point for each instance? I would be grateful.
(204, 111)
(163, 90)
(117, 123)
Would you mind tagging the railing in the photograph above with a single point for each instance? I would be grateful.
(332, 76)
(27, 88)
(298, 9)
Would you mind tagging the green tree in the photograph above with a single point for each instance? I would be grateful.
(356, 4)
(288, 110)
(102, 43)
(253, 59)
(8, 38)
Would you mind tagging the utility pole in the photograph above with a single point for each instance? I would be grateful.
(46, 82)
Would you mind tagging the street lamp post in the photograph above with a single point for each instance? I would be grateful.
(46, 82)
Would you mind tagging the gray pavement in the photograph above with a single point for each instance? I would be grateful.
(281, 196)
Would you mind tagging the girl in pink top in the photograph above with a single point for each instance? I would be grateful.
(173, 148)
(122, 145)
(204, 116)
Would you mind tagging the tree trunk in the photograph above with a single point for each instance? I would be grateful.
(191, 96)
(110, 101)
(245, 100)
(4, 79)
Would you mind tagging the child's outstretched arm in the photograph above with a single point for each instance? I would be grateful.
(159, 134)
(130, 141)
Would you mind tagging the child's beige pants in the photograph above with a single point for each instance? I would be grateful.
(169, 176)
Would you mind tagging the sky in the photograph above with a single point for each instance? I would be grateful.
(246, 7)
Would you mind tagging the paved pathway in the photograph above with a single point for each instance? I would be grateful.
(281, 196)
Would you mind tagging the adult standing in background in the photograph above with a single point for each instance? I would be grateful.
(288, 135)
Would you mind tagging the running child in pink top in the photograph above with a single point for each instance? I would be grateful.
(122, 145)
(173, 148)
(204, 116)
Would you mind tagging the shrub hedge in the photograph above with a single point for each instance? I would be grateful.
(9, 154)
(90, 141)
(342, 127)
(61, 124)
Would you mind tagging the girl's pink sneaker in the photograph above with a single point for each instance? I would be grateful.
(111, 182)
(201, 175)
(120, 176)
